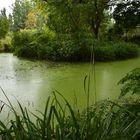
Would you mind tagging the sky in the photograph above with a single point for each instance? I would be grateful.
(7, 4)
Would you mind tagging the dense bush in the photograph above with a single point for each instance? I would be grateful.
(109, 51)
(48, 45)
(1, 47)
(5, 44)
(24, 44)
(130, 83)
(134, 39)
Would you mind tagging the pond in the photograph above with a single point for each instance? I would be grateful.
(32, 81)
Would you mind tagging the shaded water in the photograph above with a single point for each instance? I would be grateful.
(31, 82)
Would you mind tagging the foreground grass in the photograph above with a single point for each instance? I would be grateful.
(105, 120)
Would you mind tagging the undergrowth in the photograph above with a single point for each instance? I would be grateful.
(46, 46)
(105, 120)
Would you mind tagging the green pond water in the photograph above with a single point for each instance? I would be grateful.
(32, 81)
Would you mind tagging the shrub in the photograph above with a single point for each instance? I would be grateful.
(130, 83)
(106, 51)
(23, 44)
(125, 50)
(5, 44)
(46, 45)
(133, 39)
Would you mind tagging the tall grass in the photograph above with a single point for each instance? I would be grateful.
(111, 51)
(107, 120)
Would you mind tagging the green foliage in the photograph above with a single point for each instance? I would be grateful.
(113, 120)
(69, 32)
(95, 15)
(4, 24)
(30, 44)
(1, 48)
(105, 120)
(73, 17)
(21, 9)
(46, 45)
(6, 45)
(109, 51)
(24, 44)
(135, 39)
(127, 14)
(131, 83)
(133, 36)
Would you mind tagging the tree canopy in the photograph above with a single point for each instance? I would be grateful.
(21, 8)
(4, 24)
(127, 14)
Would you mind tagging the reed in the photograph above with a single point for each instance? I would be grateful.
(107, 120)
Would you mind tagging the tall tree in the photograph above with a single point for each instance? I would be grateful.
(35, 19)
(4, 23)
(77, 13)
(94, 11)
(10, 18)
(21, 8)
(127, 14)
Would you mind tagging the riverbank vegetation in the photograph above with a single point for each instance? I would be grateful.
(46, 46)
(63, 31)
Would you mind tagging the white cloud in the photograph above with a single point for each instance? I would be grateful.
(7, 4)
